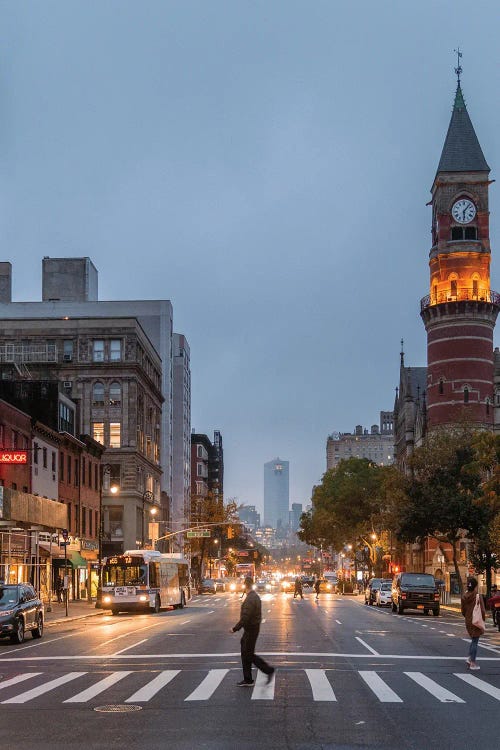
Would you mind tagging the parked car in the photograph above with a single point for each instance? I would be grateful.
(383, 595)
(208, 586)
(20, 610)
(415, 591)
(220, 584)
(371, 590)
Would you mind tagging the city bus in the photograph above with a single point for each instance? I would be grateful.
(244, 570)
(144, 580)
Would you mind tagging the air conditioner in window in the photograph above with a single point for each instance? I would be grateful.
(67, 384)
(67, 357)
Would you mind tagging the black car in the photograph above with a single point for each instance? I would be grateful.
(415, 591)
(208, 586)
(371, 590)
(20, 610)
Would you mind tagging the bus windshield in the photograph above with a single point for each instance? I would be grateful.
(124, 574)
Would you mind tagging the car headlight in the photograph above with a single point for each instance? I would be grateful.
(268, 587)
(232, 587)
(329, 587)
(143, 598)
(106, 599)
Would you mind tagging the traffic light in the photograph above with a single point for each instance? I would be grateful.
(230, 532)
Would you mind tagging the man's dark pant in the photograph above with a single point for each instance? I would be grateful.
(249, 657)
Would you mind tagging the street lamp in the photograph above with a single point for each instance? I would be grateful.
(147, 497)
(105, 471)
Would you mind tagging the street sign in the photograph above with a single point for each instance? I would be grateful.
(198, 533)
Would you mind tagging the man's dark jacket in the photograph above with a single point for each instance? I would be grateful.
(251, 613)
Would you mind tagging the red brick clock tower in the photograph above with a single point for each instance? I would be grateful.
(460, 311)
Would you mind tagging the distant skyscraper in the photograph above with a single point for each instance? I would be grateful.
(276, 493)
(295, 514)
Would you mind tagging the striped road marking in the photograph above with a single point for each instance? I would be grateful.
(320, 685)
(443, 695)
(208, 686)
(480, 685)
(153, 687)
(41, 689)
(263, 690)
(98, 688)
(384, 693)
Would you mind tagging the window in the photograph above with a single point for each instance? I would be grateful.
(90, 473)
(457, 233)
(200, 452)
(54, 462)
(83, 471)
(470, 233)
(98, 394)
(98, 432)
(441, 387)
(66, 419)
(98, 350)
(199, 470)
(44, 454)
(453, 287)
(487, 406)
(475, 288)
(115, 435)
(14, 440)
(68, 350)
(36, 448)
(115, 350)
(115, 394)
(466, 395)
(69, 469)
(77, 472)
(61, 465)
(84, 521)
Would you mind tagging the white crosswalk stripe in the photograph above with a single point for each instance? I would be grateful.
(320, 681)
(443, 695)
(45, 688)
(320, 685)
(208, 686)
(384, 693)
(98, 688)
(153, 687)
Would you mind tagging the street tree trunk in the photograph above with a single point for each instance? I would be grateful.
(454, 543)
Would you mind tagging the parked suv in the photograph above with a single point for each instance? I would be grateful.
(415, 591)
(20, 610)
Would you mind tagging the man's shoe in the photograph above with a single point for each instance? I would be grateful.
(270, 675)
(245, 683)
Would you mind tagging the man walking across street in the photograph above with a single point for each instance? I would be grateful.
(317, 586)
(250, 619)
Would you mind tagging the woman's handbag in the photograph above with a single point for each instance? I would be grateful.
(477, 615)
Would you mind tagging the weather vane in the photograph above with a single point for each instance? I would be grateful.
(458, 69)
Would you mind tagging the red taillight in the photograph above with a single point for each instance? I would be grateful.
(436, 597)
(403, 596)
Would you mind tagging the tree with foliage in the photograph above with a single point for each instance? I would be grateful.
(349, 506)
(442, 492)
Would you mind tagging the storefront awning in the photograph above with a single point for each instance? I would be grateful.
(77, 560)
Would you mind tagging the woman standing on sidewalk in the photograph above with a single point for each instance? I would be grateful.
(469, 600)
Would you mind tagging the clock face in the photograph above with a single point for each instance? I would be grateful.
(463, 211)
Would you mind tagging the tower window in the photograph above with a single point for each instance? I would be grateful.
(475, 288)
(457, 233)
(470, 233)
(441, 387)
(453, 287)
(466, 395)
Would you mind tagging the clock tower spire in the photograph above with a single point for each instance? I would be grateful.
(460, 311)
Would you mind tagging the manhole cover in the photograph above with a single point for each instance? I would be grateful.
(117, 708)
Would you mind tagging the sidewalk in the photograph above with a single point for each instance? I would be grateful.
(77, 610)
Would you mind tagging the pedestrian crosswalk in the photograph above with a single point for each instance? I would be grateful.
(191, 686)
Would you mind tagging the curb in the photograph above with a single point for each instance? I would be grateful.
(58, 619)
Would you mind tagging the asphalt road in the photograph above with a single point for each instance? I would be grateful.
(348, 676)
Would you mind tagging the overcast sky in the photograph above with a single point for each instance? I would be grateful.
(266, 167)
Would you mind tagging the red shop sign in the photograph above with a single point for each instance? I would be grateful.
(13, 457)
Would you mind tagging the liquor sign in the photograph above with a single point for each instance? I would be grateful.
(13, 457)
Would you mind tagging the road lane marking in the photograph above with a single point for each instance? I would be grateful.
(19, 678)
(372, 650)
(153, 687)
(443, 695)
(480, 685)
(129, 647)
(45, 643)
(234, 654)
(98, 688)
(185, 622)
(488, 648)
(208, 686)
(45, 688)
(338, 622)
(263, 690)
(384, 693)
(320, 685)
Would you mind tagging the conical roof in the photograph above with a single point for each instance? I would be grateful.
(461, 150)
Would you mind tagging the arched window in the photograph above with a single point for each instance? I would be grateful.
(434, 292)
(466, 395)
(441, 387)
(98, 394)
(115, 394)
(453, 287)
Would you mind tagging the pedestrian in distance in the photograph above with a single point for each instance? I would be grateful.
(250, 619)
(494, 605)
(297, 591)
(317, 586)
(472, 606)
(59, 589)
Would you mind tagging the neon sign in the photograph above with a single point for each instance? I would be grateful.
(13, 457)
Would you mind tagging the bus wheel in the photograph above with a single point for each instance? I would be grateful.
(157, 605)
(114, 611)
(183, 600)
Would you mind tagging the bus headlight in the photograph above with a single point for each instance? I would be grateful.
(143, 598)
(232, 587)
(106, 599)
